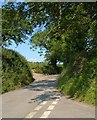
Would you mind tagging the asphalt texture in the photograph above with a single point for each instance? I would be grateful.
(41, 99)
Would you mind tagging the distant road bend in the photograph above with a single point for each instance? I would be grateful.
(42, 100)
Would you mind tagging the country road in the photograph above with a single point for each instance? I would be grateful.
(42, 100)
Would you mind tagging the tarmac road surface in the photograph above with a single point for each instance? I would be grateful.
(42, 100)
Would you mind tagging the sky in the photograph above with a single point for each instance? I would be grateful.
(29, 54)
(24, 48)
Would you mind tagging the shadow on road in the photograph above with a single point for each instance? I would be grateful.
(47, 96)
(42, 85)
(48, 89)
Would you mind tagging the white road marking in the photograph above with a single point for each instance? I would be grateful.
(38, 108)
(43, 103)
(54, 102)
(45, 114)
(51, 107)
(57, 99)
(30, 115)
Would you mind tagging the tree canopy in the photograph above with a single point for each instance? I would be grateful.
(70, 28)
(68, 33)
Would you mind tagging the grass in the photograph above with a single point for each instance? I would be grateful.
(79, 83)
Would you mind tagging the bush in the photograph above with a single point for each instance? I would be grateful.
(15, 71)
(79, 81)
(44, 68)
(38, 67)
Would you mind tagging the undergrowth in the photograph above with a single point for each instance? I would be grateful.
(78, 81)
(15, 71)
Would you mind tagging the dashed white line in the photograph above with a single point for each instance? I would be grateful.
(30, 115)
(51, 107)
(54, 102)
(57, 99)
(38, 108)
(43, 103)
(45, 114)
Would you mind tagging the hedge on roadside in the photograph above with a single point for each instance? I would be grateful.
(15, 71)
(79, 81)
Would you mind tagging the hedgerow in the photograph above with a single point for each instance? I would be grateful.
(44, 68)
(15, 71)
(78, 81)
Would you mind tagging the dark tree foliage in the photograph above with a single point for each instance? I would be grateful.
(70, 28)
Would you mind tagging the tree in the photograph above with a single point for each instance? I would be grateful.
(19, 19)
(69, 27)
(71, 33)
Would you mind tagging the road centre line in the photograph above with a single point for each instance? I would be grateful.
(45, 114)
(30, 115)
(51, 107)
(57, 99)
(38, 107)
(43, 103)
(54, 102)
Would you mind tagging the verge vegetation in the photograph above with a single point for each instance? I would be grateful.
(78, 80)
(44, 68)
(15, 71)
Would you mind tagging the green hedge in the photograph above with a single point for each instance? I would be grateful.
(15, 71)
(38, 67)
(44, 68)
(79, 81)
